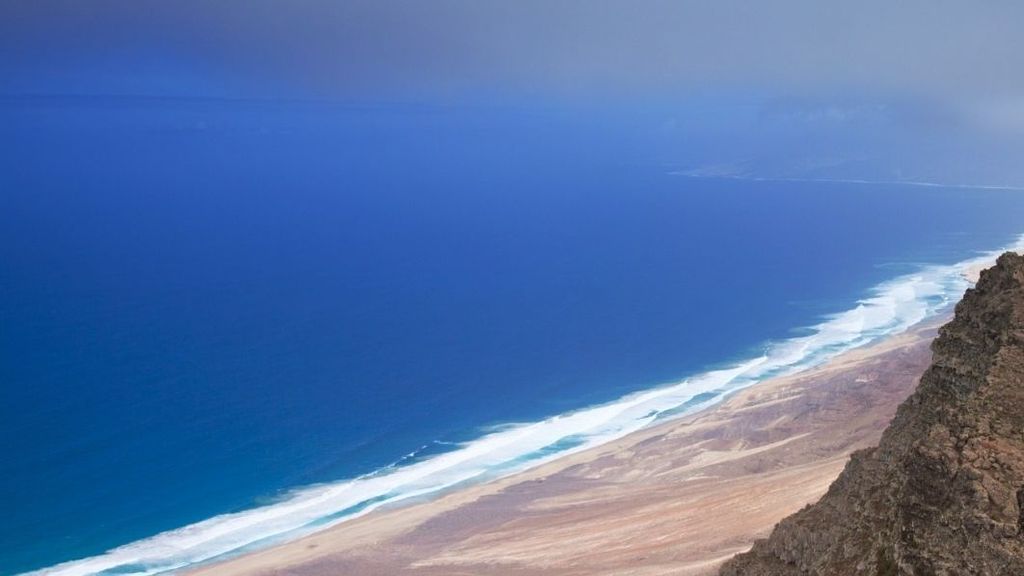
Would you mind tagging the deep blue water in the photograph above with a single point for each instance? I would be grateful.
(206, 303)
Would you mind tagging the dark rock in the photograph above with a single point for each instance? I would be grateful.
(943, 493)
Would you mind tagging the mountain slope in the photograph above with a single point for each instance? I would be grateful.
(943, 492)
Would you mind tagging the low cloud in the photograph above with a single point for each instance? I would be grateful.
(939, 49)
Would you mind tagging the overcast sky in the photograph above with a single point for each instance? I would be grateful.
(939, 49)
(927, 88)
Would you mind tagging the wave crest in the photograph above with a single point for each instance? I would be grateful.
(890, 308)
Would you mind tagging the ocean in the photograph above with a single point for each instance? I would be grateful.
(228, 323)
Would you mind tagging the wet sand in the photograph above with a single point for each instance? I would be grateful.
(678, 498)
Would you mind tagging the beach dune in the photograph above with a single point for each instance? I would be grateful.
(679, 498)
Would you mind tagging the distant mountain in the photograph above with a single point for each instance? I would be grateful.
(943, 493)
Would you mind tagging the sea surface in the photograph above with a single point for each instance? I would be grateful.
(227, 323)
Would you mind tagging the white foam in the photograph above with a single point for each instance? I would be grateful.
(891, 307)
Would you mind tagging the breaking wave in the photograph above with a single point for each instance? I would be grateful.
(889, 308)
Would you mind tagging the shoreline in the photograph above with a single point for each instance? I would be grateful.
(785, 438)
(891, 309)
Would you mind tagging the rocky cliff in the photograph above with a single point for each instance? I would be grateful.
(943, 493)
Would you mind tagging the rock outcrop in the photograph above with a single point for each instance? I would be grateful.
(943, 493)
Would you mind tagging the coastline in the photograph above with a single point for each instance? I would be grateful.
(672, 498)
(375, 510)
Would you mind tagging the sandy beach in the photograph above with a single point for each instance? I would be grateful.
(677, 498)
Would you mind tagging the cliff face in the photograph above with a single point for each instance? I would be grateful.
(943, 493)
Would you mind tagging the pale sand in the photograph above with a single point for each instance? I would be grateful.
(678, 498)
(973, 272)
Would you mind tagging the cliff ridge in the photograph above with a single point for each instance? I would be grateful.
(943, 492)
